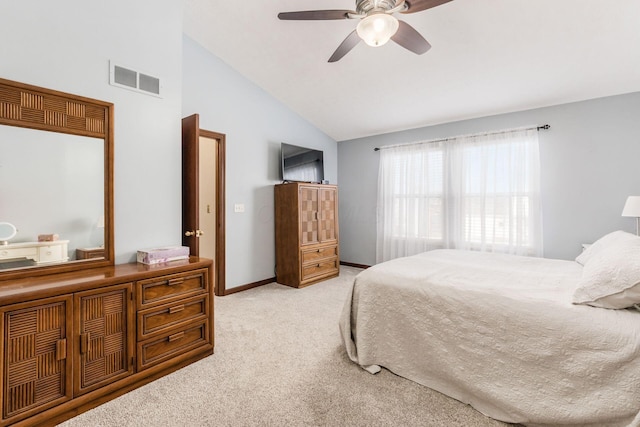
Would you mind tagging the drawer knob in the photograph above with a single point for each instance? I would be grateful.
(319, 250)
(176, 337)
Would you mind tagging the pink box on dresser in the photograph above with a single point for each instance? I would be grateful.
(47, 237)
(163, 254)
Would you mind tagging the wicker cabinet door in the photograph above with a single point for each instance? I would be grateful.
(328, 219)
(34, 357)
(308, 199)
(103, 320)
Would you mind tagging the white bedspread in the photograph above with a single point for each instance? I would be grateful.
(498, 332)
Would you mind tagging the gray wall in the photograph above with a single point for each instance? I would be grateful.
(66, 45)
(254, 124)
(589, 165)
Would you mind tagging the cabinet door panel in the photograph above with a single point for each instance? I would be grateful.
(328, 220)
(308, 215)
(103, 319)
(35, 356)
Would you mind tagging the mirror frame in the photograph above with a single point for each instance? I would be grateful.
(49, 110)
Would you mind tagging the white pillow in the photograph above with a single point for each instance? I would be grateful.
(611, 278)
(603, 243)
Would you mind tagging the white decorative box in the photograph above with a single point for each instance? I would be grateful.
(166, 254)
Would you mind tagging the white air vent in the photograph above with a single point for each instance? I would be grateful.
(127, 78)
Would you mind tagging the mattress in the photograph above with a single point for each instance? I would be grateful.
(498, 332)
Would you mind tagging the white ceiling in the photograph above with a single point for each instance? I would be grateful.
(487, 57)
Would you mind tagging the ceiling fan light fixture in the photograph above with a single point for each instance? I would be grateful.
(377, 28)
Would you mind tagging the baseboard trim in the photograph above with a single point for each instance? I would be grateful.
(249, 286)
(352, 264)
(273, 279)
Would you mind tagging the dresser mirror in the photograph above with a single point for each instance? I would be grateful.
(7, 232)
(56, 181)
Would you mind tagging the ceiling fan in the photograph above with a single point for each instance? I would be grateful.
(377, 24)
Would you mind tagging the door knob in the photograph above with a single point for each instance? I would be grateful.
(196, 233)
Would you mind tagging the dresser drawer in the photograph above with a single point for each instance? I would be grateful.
(89, 253)
(319, 253)
(50, 254)
(158, 319)
(19, 253)
(170, 288)
(170, 345)
(319, 269)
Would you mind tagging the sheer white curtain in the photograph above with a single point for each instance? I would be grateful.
(476, 192)
(411, 211)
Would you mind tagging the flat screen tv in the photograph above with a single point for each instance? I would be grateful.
(301, 164)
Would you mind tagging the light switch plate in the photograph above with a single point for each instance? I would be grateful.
(238, 207)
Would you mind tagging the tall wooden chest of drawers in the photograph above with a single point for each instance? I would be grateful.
(74, 340)
(306, 219)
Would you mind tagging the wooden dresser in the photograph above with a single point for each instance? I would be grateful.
(72, 341)
(306, 217)
(89, 253)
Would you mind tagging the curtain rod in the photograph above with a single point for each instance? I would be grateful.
(545, 127)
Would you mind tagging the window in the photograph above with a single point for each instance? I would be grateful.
(418, 209)
(477, 192)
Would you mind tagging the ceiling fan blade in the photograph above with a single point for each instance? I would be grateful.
(347, 44)
(414, 6)
(410, 39)
(312, 15)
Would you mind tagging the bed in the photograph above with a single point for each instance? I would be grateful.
(502, 333)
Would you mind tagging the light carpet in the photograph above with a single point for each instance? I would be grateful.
(279, 361)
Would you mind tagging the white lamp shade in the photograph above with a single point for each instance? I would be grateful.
(377, 29)
(632, 207)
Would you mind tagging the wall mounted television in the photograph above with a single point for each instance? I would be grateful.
(301, 164)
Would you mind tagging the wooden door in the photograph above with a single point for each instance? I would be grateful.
(308, 199)
(190, 183)
(104, 325)
(203, 193)
(328, 215)
(37, 341)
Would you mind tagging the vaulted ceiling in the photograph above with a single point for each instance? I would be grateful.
(487, 57)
